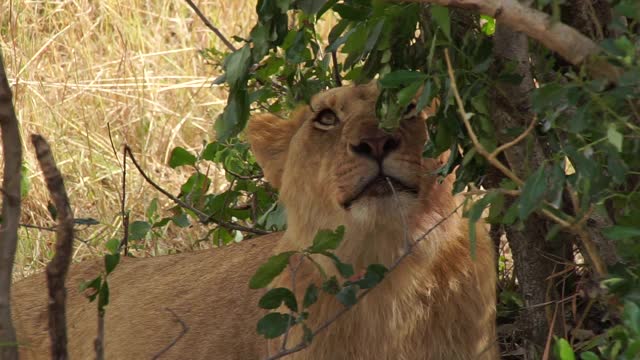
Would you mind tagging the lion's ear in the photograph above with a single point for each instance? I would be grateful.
(269, 137)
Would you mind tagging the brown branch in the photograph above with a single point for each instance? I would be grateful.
(12, 155)
(472, 135)
(569, 43)
(204, 218)
(98, 343)
(576, 227)
(303, 344)
(208, 23)
(515, 141)
(58, 267)
(185, 328)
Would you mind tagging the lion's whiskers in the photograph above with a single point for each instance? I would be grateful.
(405, 228)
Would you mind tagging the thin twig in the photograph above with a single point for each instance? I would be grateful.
(208, 23)
(570, 223)
(204, 218)
(303, 344)
(59, 266)
(515, 141)
(185, 329)
(472, 135)
(124, 244)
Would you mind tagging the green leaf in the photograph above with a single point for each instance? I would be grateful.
(113, 246)
(310, 296)
(474, 214)
(400, 78)
(345, 270)
(588, 355)
(110, 262)
(564, 350)
(235, 115)
(406, 95)
(181, 157)
(269, 270)
(310, 6)
(489, 26)
(94, 284)
(372, 277)
(614, 137)
(275, 297)
(237, 66)
(331, 286)
(273, 325)
(327, 240)
(441, 16)
(152, 209)
(347, 296)
(181, 220)
(532, 193)
(619, 232)
(138, 230)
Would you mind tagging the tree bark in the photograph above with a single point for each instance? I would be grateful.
(511, 108)
(59, 265)
(12, 154)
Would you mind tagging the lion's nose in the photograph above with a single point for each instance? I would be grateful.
(376, 148)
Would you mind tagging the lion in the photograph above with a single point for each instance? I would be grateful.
(333, 166)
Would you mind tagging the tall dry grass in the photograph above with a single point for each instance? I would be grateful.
(77, 66)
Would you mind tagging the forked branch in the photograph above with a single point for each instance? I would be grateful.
(576, 226)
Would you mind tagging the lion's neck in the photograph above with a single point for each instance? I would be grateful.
(373, 235)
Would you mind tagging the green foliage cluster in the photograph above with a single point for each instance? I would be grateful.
(590, 128)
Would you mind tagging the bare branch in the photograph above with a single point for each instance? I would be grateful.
(569, 43)
(208, 23)
(185, 328)
(12, 155)
(204, 218)
(58, 267)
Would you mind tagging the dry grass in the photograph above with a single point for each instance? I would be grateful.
(77, 66)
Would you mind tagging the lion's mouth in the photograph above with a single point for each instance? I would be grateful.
(380, 186)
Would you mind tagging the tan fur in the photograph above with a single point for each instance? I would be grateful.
(438, 304)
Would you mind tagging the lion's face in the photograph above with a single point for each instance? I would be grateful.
(332, 157)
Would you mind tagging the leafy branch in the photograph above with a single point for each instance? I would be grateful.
(203, 217)
(346, 295)
(573, 225)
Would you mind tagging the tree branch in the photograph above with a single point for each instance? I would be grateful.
(12, 155)
(208, 23)
(573, 225)
(58, 267)
(569, 43)
(204, 218)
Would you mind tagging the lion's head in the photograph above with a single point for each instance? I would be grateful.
(335, 166)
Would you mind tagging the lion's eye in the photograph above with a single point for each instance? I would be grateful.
(326, 120)
(410, 111)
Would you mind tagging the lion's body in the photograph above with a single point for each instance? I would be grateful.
(333, 167)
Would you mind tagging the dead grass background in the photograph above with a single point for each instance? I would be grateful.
(76, 66)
